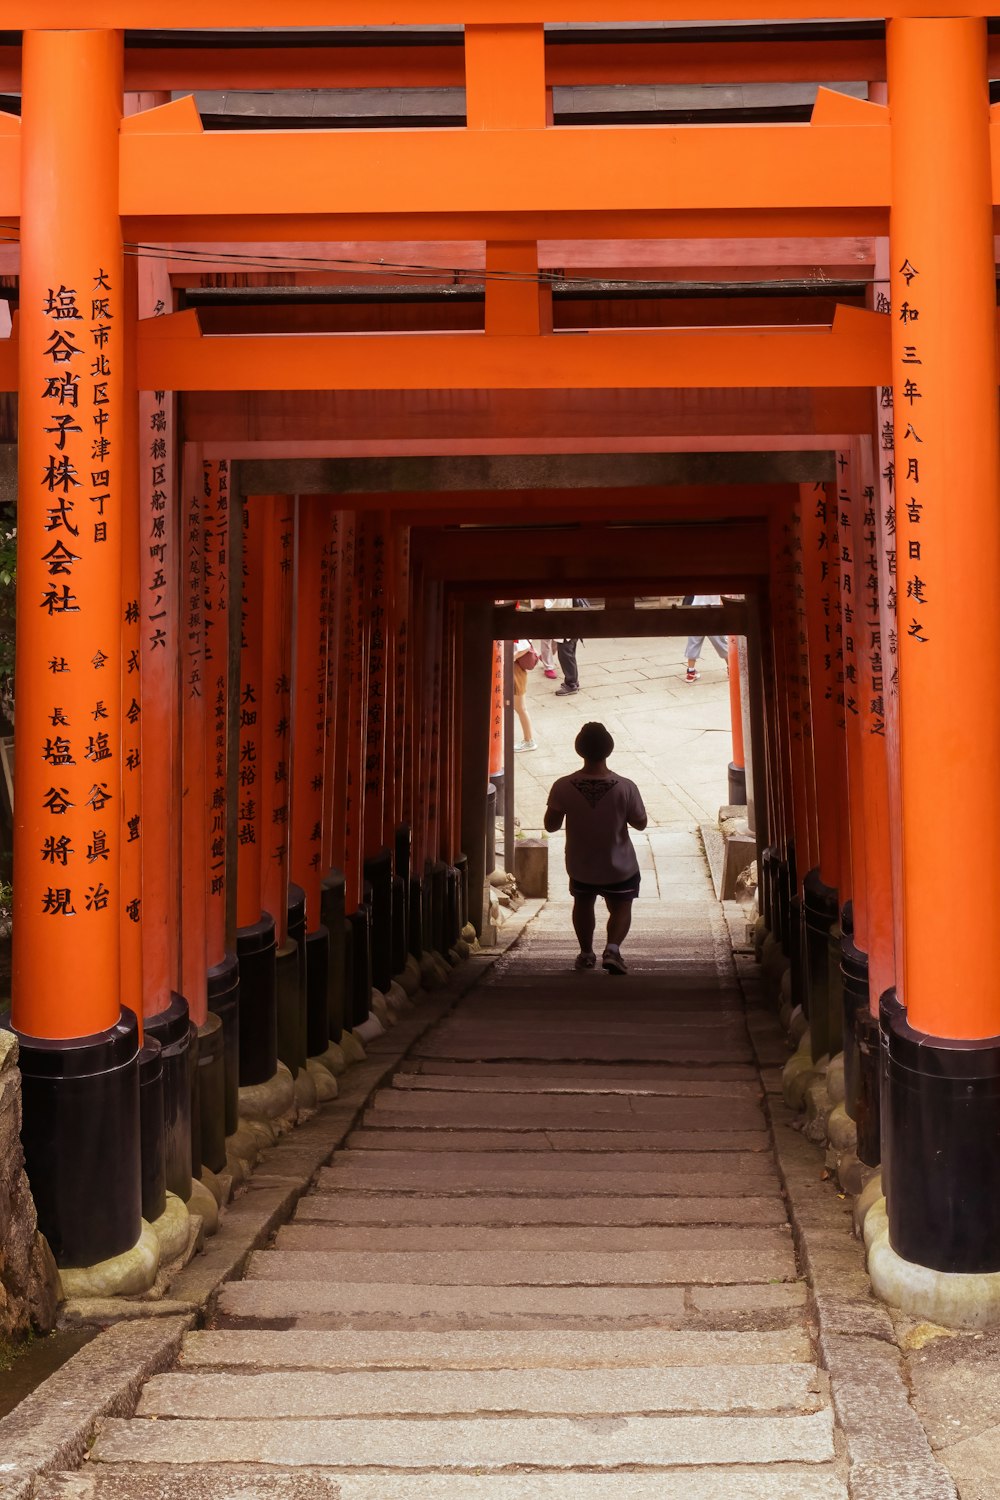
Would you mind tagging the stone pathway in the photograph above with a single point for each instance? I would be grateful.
(552, 1263)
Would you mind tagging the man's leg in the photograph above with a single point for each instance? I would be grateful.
(692, 650)
(566, 651)
(721, 645)
(584, 921)
(619, 919)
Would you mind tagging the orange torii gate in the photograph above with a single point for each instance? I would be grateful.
(853, 729)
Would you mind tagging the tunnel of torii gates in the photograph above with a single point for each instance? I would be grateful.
(296, 405)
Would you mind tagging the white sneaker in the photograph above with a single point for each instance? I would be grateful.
(526, 745)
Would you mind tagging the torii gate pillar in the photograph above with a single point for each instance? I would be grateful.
(79, 1046)
(941, 1027)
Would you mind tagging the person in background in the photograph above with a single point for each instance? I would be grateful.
(547, 647)
(720, 643)
(524, 660)
(598, 807)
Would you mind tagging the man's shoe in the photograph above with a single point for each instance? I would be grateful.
(566, 691)
(691, 675)
(586, 961)
(612, 961)
(526, 745)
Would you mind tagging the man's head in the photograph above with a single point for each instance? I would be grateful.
(593, 743)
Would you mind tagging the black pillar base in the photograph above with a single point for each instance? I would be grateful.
(854, 981)
(80, 1133)
(794, 946)
(317, 992)
(211, 1092)
(765, 887)
(452, 908)
(298, 920)
(779, 905)
(400, 924)
(942, 1142)
(334, 920)
(153, 1166)
(224, 1002)
(378, 874)
(819, 904)
(288, 987)
(869, 1117)
(361, 966)
(889, 1007)
(462, 867)
(255, 949)
(172, 1029)
(491, 834)
(416, 917)
(737, 785)
(194, 1058)
(438, 883)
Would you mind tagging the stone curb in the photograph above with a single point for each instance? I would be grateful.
(887, 1448)
(52, 1428)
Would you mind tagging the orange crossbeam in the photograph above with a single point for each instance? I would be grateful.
(549, 170)
(244, 14)
(174, 356)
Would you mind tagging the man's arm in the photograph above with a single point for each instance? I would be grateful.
(554, 814)
(637, 817)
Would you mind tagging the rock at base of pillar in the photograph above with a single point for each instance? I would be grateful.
(324, 1085)
(80, 1134)
(306, 1093)
(172, 1228)
(469, 936)
(352, 1048)
(128, 1274)
(380, 1008)
(433, 971)
(172, 1029)
(941, 1136)
(841, 1130)
(224, 1002)
(203, 1203)
(409, 976)
(256, 949)
(369, 1029)
(951, 1299)
(212, 1092)
(835, 1079)
(216, 1184)
(870, 1194)
(397, 999)
(333, 1059)
(797, 1074)
(798, 1026)
(817, 1105)
(271, 1099)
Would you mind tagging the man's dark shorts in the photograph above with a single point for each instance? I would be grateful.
(629, 889)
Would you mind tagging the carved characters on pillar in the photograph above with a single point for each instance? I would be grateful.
(215, 516)
(80, 746)
(911, 462)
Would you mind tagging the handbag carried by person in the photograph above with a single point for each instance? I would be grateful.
(527, 657)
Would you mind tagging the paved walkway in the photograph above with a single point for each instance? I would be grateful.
(553, 1263)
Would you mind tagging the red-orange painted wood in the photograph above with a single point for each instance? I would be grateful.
(276, 706)
(194, 712)
(309, 719)
(249, 832)
(68, 772)
(213, 477)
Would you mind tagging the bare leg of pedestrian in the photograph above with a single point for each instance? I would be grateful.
(527, 742)
(619, 922)
(584, 922)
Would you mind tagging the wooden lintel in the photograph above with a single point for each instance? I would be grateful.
(618, 623)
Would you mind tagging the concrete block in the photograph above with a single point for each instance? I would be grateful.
(531, 866)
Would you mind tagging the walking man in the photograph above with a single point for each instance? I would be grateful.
(720, 643)
(598, 807)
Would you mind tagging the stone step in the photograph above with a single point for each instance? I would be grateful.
(277, 1395)
(538, 1020)
(617, 1111)
(550, 1083)
(372, 1208)
(567, 1047)
(360, 1175)
(223, 1349)
(710, 1258)
(574, 1163)
(216, 1481)
(381, 1304)
(462, 1445)
(662, 1240)
(597, 1072)
(437, 1138)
